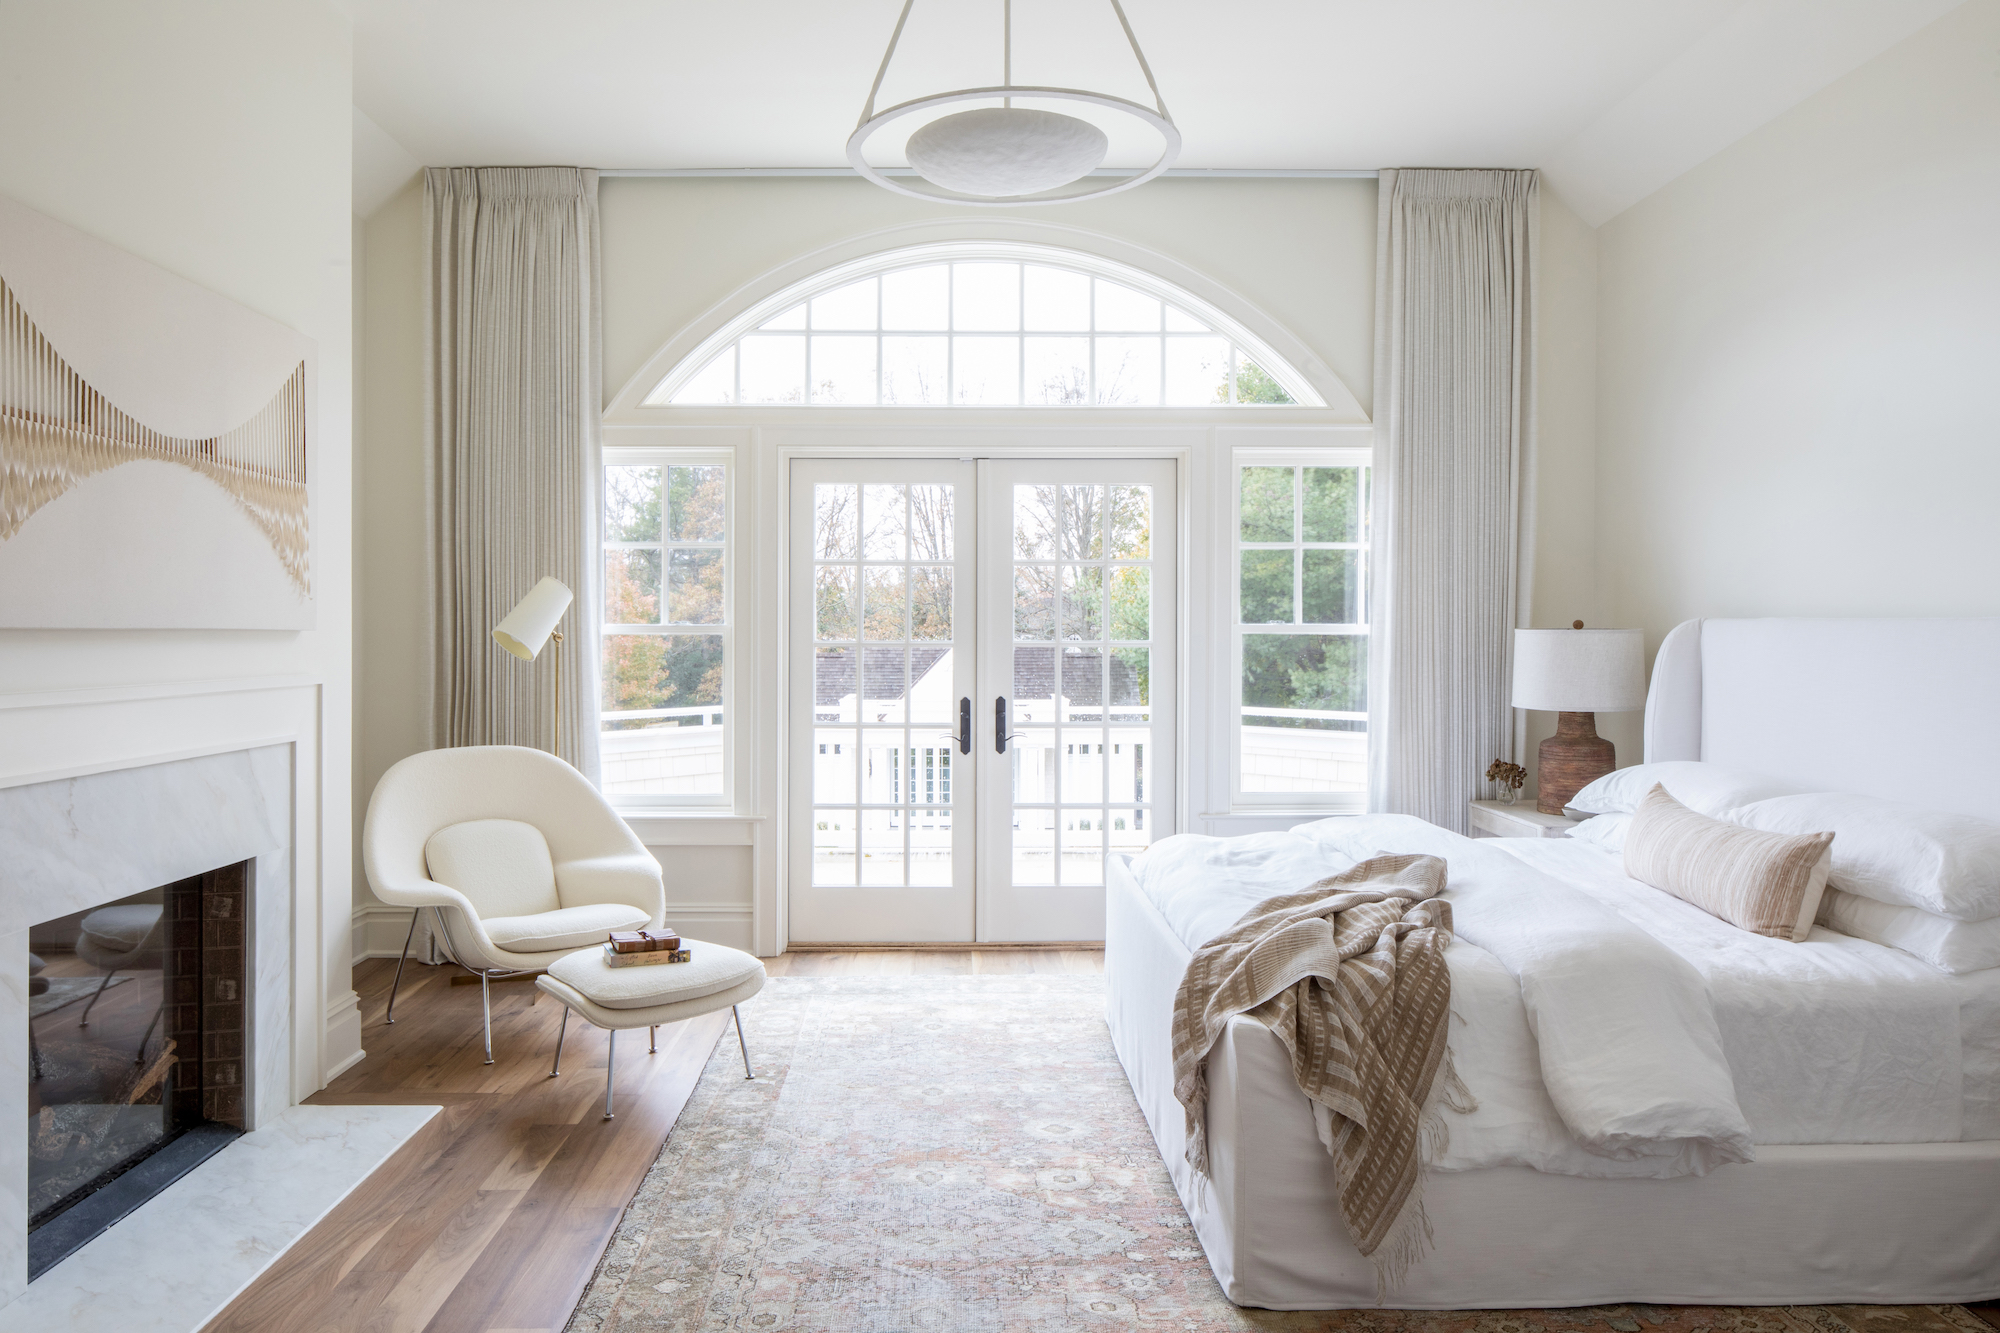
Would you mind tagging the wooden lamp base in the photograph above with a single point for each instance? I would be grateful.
(1571, 760)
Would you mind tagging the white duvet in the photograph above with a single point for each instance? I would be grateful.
(1607, 1029)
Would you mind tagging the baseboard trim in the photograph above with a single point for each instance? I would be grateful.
(886, 946)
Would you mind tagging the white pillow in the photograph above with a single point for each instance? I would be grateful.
(1708, 789)
(1604, 831)
(1950, 946)
(502, 865)
(1896, 853)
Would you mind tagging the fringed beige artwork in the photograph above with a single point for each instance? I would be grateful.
(56, 430)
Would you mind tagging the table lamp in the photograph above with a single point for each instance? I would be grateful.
(1576, 674)
(531, 624)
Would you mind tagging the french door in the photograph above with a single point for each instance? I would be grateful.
(982, 681)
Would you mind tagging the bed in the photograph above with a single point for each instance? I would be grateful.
(1870, 1081)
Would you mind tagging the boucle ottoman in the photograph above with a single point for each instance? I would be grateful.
(615, 998)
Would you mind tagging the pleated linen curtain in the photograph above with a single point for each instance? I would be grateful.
(512, 400)
(1454, 457)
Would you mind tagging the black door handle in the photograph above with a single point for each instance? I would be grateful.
(1000, 736)
(965, 724)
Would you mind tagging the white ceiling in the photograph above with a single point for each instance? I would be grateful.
(1611, 99)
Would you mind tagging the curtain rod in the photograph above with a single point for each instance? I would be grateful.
(1185, 173)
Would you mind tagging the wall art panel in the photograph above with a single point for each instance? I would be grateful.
(156, 445)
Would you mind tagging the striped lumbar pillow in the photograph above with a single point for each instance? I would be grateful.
(1767, 883)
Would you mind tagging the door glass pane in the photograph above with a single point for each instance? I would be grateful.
(930, 601)
(833, 847)
(1034, 693)
(1131, 602)
(1034, 602)
(883, 523)
(930, 522)
(1034, 847)
(1129, 522)
(1082, 535)
(836, 602)
(836, 510)
(884, 603)
(1083, 846)
(1036, 510)
(1082, 602)
(882, 847)
(1082, 759)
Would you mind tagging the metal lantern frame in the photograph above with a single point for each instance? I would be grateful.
(1007, 90)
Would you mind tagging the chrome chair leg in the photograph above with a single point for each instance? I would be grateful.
(610, 1063)
(139, 1056)
(653, 1040)
(741, 1044)
(84, 1020)
(402, 958)
(486, 1006)
(561, 1032)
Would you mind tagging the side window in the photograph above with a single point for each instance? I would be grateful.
(1302, 628)
(666, 635)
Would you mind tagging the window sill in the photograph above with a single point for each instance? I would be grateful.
(690, 828)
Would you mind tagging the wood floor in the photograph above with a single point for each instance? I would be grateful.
(492, 1218)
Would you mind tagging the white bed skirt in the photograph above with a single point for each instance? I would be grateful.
(1832, 1224)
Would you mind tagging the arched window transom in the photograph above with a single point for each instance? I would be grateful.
(987, 330)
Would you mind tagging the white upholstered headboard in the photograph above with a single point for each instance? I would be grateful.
(1907, 709)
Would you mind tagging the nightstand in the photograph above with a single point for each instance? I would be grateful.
(1492, 819)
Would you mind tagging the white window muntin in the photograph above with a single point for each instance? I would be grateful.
(1244, 346)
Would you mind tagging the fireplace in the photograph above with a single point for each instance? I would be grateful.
(138, 1031)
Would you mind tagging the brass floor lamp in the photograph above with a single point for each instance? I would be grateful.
(531, 624)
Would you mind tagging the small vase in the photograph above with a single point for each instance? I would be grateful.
(1509, 794)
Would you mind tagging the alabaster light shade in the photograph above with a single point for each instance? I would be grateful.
(1580, 670)
(528, 626)
(996, 152)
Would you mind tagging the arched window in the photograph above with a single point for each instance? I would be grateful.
(993, 325)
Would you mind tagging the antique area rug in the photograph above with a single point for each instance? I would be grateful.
(965, 1154)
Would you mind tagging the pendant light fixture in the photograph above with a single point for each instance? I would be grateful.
(1009, 156)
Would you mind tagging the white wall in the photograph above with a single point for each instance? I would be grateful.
(1797, 356)
(212, 138)
(1302, 251)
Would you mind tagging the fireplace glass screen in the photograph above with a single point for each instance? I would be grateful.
(136, 1033)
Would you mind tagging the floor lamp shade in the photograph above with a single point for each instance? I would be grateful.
(1577, 674)
(528, 626)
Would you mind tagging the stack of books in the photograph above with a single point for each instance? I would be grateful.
(643, 948)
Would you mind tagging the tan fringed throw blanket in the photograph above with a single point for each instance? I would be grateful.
(1350, 974)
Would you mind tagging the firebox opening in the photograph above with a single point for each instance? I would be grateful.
(138, 1040)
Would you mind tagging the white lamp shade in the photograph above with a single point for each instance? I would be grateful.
(1580, 670)
(1001, 151)
(528, 626)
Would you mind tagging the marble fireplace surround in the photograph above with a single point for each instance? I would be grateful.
(112, 790)
(73, 844)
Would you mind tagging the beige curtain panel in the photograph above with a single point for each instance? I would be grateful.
(512, 401)
(1454, 447)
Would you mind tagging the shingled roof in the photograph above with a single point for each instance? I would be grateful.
(882, 674)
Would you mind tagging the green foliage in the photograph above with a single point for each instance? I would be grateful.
(1333, 508)
(1327, 671)
(1265, 499)
(1265, 593)
(1254, 385)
